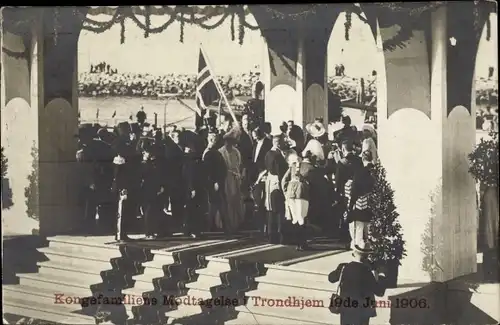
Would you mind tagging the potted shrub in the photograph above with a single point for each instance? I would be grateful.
(384, 231)
(483, 166)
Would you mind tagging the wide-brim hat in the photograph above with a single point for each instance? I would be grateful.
(370, 128)
(315, 129)
(364, 251)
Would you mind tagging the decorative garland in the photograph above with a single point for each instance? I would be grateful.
(148, 21)
(182, 29)
(232, 26)
(122, 31)
(56, 24)
(399, 40)
(300, 15)
(196, 15)
(241, 27)
(347, 24)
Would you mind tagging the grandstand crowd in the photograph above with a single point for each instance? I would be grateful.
(105, 81)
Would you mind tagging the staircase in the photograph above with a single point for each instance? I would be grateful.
(169, 274)
(219, 288)
(67, 274)
(287, 295)
(66, 279)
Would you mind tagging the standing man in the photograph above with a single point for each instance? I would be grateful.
(261, 146)
(123, 189)
(215, 170)
(276, 168)
(347, 168)
(152, 188)
(173, 169)
(194, 186)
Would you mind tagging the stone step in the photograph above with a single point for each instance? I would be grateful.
(215, 268)
(72, 292)
(205, 282)
(158, 261)
(149, 274)
(85, 247)
(293, 291)
(285, 293)
(55, 282)
(47, 312)
(87, 276)
(247, 318)
(312, 315)
(72, 303)
(290, 283)
(63, 255)
(189, 309)
(292, 274)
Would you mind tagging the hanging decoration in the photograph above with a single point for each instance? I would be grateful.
(347, 24)
(293, 15)
(241, 27)
(182, 29)
(56, 24)
(122, 31)
(212, 16)
(148, 21)
(232, 26)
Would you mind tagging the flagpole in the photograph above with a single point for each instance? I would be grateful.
(207, 60)
(165, 118)
(220, 112)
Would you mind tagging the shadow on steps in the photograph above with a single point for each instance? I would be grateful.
(221, 307)
(20, 255)
(107, 303)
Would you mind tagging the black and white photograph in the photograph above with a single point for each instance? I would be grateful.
(250, 164)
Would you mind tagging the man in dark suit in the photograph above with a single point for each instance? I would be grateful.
(174, 157)
(192, 178)
(262, 145)
(124, 187)
(152, 187)
(359, 283)
(214, 170)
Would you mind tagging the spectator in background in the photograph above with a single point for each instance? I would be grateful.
(491, 70)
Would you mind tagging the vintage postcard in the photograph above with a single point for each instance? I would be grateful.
(250, 164)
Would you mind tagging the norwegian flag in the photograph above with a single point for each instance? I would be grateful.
(207, 91)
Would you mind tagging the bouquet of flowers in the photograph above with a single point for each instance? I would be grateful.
(483, 161)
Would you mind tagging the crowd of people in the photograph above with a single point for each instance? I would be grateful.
(229, 177)
(97, 84)
(105, 81)
(147, 85)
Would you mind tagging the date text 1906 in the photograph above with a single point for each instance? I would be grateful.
(412, 303)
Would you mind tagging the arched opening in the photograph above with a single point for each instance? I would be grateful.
(352, 71)
(486, 111)
(486, 75)
(147, 72)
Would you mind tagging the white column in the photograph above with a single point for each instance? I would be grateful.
(425, 154)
